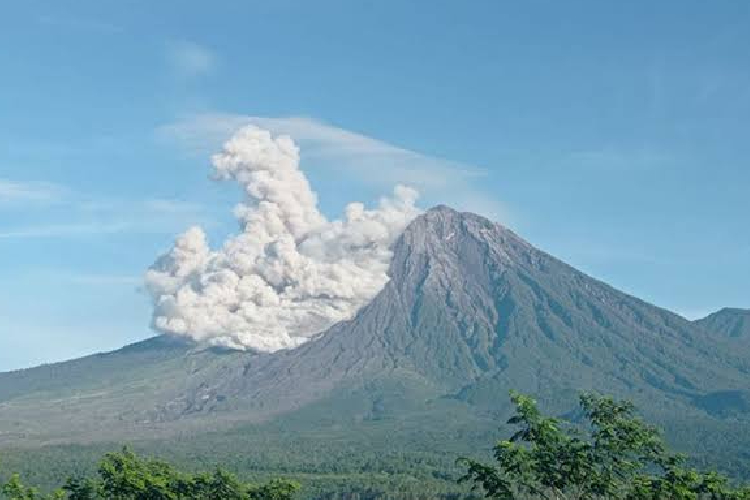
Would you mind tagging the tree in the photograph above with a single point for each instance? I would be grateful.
(14, 489)
(616, 456)
(126, 476)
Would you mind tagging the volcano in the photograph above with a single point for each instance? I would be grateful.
(471, 311)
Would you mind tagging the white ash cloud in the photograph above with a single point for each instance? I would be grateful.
(290, 273)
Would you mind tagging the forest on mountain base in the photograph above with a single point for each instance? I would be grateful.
(609, 453)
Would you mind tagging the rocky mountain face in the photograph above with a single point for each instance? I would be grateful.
(471, 311)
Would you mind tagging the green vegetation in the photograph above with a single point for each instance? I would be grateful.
(125, 476)
(619, 457)
(605, 452)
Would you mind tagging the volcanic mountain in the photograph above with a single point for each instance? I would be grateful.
(471, 311)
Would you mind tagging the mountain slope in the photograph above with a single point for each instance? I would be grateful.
(732, 323)
(728, 328)
(471, 311)
(477, 300)
(97, 370)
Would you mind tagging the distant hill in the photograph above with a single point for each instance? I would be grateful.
(732, 323)
(471, 311)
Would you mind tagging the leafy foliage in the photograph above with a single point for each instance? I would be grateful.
(617, 457)
(126, 476)
(14, 489)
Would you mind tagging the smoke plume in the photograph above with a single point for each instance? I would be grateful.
(290, 273)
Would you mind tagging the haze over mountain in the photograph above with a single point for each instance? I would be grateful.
(470, 312)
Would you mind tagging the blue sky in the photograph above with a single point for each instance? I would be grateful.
(611, 134)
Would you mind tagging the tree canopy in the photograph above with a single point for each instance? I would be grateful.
(613, 455)
(126, 476)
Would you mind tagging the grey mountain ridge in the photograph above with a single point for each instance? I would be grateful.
(728, 322)
(471, 311)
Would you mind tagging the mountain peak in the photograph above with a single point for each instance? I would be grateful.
(440, 216)
(444, 238)
(446, 213)
(445, 223)
(442, 208)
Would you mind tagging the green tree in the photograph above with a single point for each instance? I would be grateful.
(14, 489)
(126, 476)
(616, 456)
(81, 488)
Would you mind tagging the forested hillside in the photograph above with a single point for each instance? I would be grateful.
(607, 453)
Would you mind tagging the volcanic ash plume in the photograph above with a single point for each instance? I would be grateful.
(290, 273)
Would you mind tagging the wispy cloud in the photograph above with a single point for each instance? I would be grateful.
(80, 24)
(61, 230)
(19, 192)
(190, 59)
(363, 158)
(80, 217)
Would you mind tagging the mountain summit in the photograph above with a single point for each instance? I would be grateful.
(471, 311)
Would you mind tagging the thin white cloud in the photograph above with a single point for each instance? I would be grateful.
(362, 158)
(98, 217)
(80, 24)
(190, 59)
(19, 192)
(61, 230)
(176, 207)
